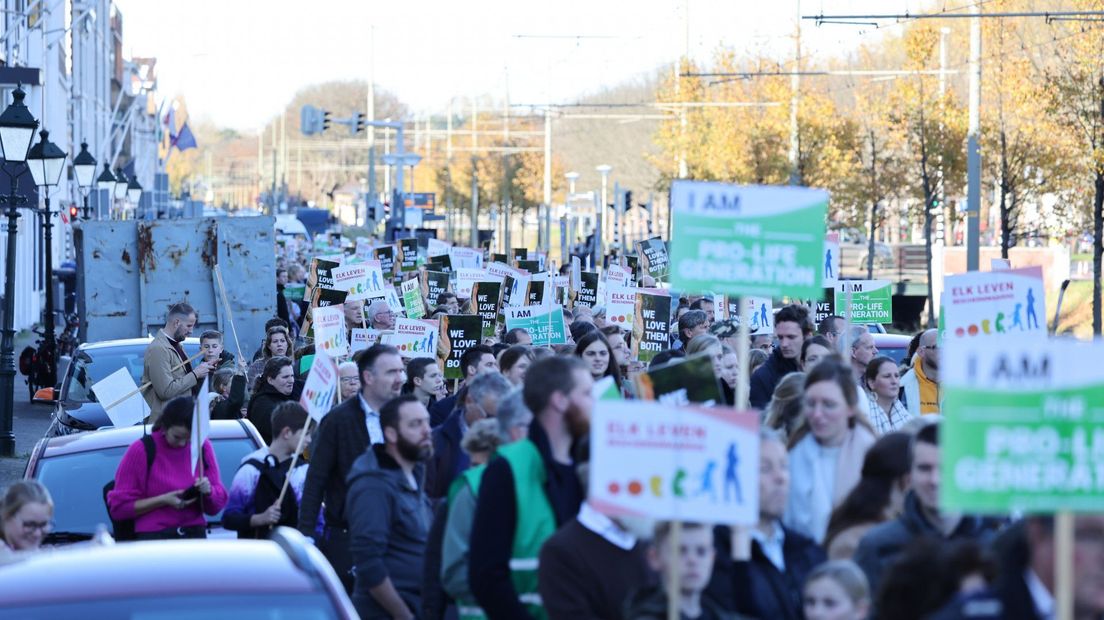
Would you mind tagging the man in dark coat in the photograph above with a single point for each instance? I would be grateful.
(791, 327)
(480, 401)
(342, 437)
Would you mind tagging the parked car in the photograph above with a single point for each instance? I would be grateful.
(76, 408)
(76, 467)
(284, 577)
(893, 345)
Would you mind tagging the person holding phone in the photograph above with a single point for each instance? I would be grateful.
(165, 497)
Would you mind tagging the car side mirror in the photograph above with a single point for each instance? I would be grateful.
(46, 395)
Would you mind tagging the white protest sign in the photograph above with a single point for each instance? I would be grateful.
(393, 300)
(353, 279)
(363, 249)
(201, 423)
(436, 247)
(466, 277)
(329, 330)
(465, 257)
(413, 338)
(760, 311)
(373, 277)
(111, 388)
(620, 305)
(992, 303)
(684, 463)
(320, 389)
(333, 258)
(618, 276)
(361, 338)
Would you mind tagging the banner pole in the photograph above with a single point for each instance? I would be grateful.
(294, 460)
(674, 576)
(229, 313)
(1063, 564)
(743, 351)
(149, 383)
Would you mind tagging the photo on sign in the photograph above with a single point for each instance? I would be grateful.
(433, 284)
(651, 324)
(682, 382)
(486, 298)
(458, 333)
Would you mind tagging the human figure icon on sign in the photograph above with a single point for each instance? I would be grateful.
(1016, 321)
(375, 281)
(707, 480)
(765, 319)
(828, 271)
(731, 479)
(1032, 319)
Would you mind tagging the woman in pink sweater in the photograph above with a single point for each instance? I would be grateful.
(167, 500)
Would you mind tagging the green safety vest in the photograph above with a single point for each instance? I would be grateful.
(535, 523)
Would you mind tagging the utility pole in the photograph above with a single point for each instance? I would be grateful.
(449, 214)
(474, 203)
(272, 197)
(795, 84)
(973, 153)
(546, 241)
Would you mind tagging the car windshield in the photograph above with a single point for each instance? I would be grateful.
(76, 481)
(266, 606)
(896, 353)
(89, 367)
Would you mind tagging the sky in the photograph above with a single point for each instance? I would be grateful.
(238, 62)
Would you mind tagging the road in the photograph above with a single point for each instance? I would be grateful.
(29, 422)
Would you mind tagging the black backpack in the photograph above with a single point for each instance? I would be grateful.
(269, 484)
(123, 530)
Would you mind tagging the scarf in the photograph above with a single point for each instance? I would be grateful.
(929, 390)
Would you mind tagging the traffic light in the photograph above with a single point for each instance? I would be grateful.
(359, 123)
(628, 204)
(310, 120)
(325, 121)
(73, 213)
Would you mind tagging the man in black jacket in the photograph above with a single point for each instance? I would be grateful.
(558, 392)
(389, 515)
(475, 361)
(481, 397)
(343, 436)
(883, 544)
(760, 571)
(791, 327)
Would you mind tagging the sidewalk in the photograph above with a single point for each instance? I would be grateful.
(29, 421)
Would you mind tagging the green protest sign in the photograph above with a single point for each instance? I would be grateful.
(545, 324)
(871, 300)
(747, 240)
(1022, 427)
(681, 382)
(412, 299)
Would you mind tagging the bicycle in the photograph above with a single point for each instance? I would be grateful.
(39, 363)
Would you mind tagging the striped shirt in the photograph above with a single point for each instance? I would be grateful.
(883, 421)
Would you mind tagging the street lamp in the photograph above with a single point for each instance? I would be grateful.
(106, 180)
(134, 191)
(17, 127)
(571, 178)
(84, 168)
(120, 184)
(600, 240)
(47, 162)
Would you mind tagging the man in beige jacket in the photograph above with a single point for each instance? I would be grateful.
(161, 366)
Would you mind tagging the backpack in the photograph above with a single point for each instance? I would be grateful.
(269, 484)
(123, 529)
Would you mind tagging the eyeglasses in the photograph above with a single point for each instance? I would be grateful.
(933, 347)
(42, 526)
(350, 380)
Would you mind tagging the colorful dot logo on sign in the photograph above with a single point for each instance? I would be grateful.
(614, 488)
(635, 488)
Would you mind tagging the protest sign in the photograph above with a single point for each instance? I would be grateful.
(126, 412)
(388, 295)
(412, 299)
(832, 260)
(654, 254)
(433, 284)
(588, 290)
(760, 311)
(363, 249)
(532, 266)
(353, 279)
(545, 324)
(999, 264)
(333, 258)
(826, 306)
(871, 301)
(632, 263)
(320, 390)
(329, 330)
(686, 463)
(681, 382)
(651, 323)
(458, 333)
(324, 297)
(1022, 426)
(616, 275)
(373, 276)
(537, 292)
(408, 255)
(499, 258)
(440, 263)
(994, 303)
(436, 247)
(413, 338)
(517, 254)
(201, 423)
(466, 277)
(319, 276)
(385, 254)
(361, 338)
(620, 306)
(747, 240)
(295, 292)
(486, 298)
(606, 389)
(466, 257)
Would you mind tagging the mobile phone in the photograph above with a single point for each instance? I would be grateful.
(189, 493)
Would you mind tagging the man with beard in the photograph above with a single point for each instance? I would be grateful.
(529, 490)
(165, 366)
(389, 514)
(343, 436)
(920, 384)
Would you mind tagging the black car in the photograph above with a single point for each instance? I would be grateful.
(75, 406)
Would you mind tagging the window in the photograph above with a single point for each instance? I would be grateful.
(266, 606)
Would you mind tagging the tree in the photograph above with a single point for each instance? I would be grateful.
(934, 131)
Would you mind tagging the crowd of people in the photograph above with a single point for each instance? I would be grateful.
(469, 500)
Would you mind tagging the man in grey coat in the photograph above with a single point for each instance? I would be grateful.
(165, 366)
(389, 514)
